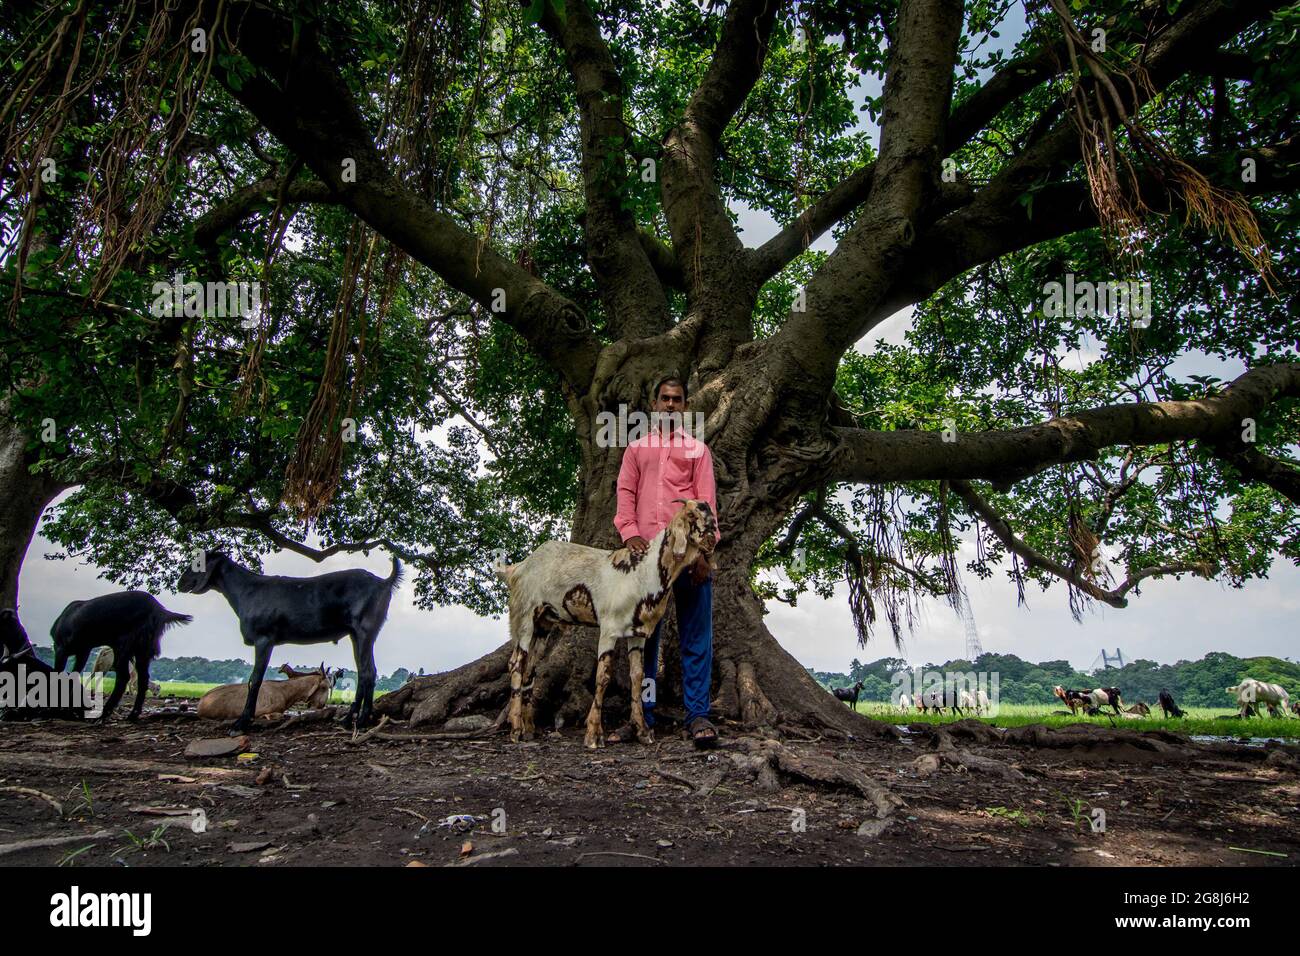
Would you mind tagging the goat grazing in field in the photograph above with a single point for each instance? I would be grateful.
(1104, 697)
(18, 658)
(1166, 701)
(273, 697)
(1254, 692)
(981, 702)
(130, 622)
(848, 694)
(104, 663)
(622, 592)
(936, 699)
(275, 610)
(904, 702)
(1073, 699)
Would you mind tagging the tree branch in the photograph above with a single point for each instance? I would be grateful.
(984, 231)
(1005, 457)
(720, 284)
(311, 110)
(661, 257)
(918, 88)
(629, 288)
(735, 68)
(1253, 465)
(1018, 77)
(1073, 576)
(236, 207)
(845, 300)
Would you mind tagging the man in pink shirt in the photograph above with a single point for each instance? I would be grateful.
(665, 465)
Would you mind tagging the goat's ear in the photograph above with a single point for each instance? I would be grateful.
(211, 561)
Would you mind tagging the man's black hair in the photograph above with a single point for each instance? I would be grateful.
(672, 380)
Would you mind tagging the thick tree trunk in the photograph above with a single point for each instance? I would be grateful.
(23, 499)
(755, 680)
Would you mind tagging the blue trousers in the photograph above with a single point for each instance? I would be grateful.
(695, 631)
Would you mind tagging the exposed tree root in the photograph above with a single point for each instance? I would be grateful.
(1101, 743)
(109, 765)
(928, 764)
(822, 771)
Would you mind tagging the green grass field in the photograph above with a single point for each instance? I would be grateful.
(1199, 720)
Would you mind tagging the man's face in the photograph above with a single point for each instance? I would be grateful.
(671, 399)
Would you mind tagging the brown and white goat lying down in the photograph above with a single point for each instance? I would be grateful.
(273, 697)
(622, 592)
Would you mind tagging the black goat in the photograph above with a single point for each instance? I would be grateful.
(18, 658)
(274, 610)
(1167, 704)
(130, 622)
(849, 694)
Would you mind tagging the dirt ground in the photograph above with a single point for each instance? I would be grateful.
(961, 797)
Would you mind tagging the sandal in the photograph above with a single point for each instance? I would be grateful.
(703, 734)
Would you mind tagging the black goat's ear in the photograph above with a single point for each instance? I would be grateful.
(211, 561)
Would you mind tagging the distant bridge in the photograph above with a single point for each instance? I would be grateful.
(1105, 661)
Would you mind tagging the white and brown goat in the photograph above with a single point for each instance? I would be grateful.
(622, 592)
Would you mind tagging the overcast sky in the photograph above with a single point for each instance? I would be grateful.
(1170, 620)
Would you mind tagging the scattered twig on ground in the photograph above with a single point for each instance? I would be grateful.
(634, 856)
(369, 733)
(41, 843)
(36, 794)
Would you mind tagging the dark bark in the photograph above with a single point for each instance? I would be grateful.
(24, 497)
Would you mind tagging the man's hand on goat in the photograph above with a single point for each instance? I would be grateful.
(638, 544)
(701, 570)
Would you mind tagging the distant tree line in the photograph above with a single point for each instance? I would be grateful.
(1196, 683)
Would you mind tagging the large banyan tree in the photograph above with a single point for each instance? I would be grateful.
(505, 221)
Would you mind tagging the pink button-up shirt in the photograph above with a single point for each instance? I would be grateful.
(656, 469)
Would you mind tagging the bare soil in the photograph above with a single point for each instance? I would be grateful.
(313, 796)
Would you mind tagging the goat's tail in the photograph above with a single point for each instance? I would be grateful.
(171, 617)
(394, 579)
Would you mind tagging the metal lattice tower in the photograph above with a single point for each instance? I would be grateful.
(973, 647)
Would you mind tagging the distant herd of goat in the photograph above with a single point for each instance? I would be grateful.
(623, 593)
(1249, 694)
